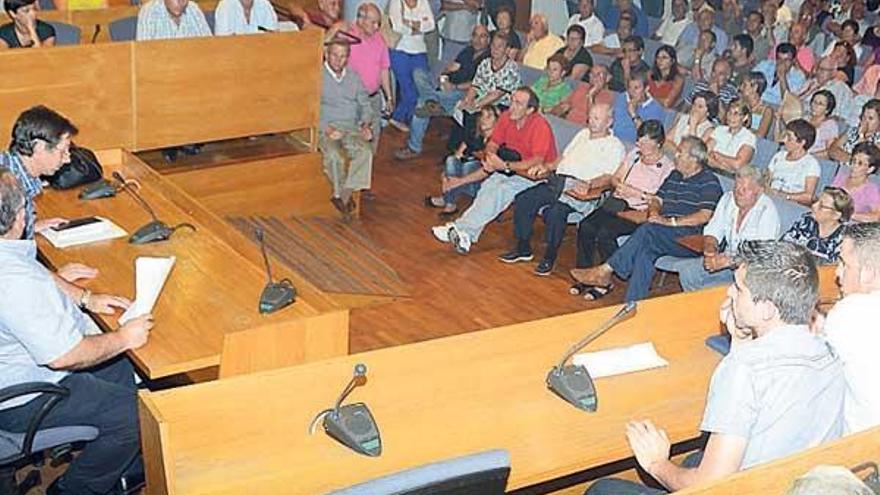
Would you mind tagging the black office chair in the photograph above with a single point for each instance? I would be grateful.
(18, 449)
(484, 473)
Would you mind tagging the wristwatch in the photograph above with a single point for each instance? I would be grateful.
(85, 298)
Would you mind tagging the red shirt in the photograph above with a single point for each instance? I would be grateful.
(535, 138)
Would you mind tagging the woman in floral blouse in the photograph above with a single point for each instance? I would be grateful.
(821, 229)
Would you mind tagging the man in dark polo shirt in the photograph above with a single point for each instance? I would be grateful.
(683, 204)
(521, 131)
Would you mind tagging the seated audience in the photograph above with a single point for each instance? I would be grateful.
(463, 171)
(850, 325)
(541, 44)
(730, 19)
(867, 86)
(719, 83)
(697, 122)
(762, 114)
(755, 23)
(868, 130)
(576, 106)
(805, 58)
(634, 107)
(456, 83)
(327, 14)
(829, 480)
(504, 25)
(782, 74)
(793, 172)
(551, 88)
(412, 19)
(631, 61)
(25, 30)
(244, 17)
(170, 19)
(741, 57)
(522, 145)
(849, 33)
(664, 81)
(577, 59)
(45, 337)
(617, 10)
(820, 229)
(370, 60)
(779, 391)
(743, 214)
(673, 23)
(704, 55)
(345, 129)
(586, 162)
(690, 37)
(732, 146)
(682, 205)
(586, 18)
(824, 80)
(821, 108)
(857, 181)
(612, 44)
(845, 60)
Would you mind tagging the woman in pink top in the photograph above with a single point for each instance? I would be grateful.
(822, 105)
(855, 180)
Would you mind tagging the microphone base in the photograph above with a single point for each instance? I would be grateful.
(154, 231)
(101, 189)
(353, 425)
(574, 385)
(277, 295)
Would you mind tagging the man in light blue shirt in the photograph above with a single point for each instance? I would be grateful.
(634, 107)
(779, 390)
(45, 337)
(782, 74)
(690, 37)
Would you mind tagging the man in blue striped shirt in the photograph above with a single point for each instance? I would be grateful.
(682, 205)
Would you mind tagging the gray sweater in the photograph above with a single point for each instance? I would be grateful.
(344, 104)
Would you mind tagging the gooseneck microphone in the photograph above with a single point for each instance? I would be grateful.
(352, 425)
(573, 382)
(154, 231)
(275, 295)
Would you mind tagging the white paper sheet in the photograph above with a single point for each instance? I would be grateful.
(150, 275)
(85, 234)
(621, 360)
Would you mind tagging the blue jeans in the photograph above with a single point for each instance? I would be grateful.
(635, 260)
(693, 276)
(403, 65)
(427, 91)
(457, 168)
(613, 486)
(496, 194)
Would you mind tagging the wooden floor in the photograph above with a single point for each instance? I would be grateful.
(450, 293)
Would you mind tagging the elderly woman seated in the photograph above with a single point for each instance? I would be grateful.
(821, 229)
(856, 180)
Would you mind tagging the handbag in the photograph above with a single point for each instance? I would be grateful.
(391, 37)
(83, 168)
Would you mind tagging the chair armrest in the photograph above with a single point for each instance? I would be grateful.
(56, 394)
(15, 391)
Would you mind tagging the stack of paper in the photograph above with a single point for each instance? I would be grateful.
(621, 360)
(85, 234)
(149, 275)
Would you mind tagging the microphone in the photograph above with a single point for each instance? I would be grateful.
(154, 231)
(275, 295)
(96, 33)
(573, 382)
(352, 425)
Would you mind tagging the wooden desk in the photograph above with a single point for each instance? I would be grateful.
(433, 400)
(209, 306)
(776, 477)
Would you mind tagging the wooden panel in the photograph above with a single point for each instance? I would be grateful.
(207, 89)
(213, 288)
(440, 399)
(776, 477)
(90, 85)
(275, 187)
(152, 433)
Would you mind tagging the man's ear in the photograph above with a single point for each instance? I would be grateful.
(767, 310)
(869, 276)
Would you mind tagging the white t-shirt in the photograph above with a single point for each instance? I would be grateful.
(670, 30)
(611, 41)
(729, 144)
(851, 329)
(760, 224)
(593, 26)
(585, 158)
(229, 18)
(791, 176)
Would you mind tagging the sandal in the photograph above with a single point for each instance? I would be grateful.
(429, 202)
(448, 213)
(578, 289)
(596, 292)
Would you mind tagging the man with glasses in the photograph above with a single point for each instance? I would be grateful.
(631, 61)
(782, 75)
(844, 102)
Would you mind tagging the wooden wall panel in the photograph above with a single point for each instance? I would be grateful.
(199, 90)
(90, 85)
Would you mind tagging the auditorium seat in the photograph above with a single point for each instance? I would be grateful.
(563, 130)
(123, 29)
(651, 47)
(764, 151)
(66, 34)
(827, 171)
(484, 473)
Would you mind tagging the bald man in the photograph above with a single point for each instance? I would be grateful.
(588, 161)
(824, 78)
(369, 59)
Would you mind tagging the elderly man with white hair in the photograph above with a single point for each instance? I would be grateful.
(824, 78)
(540, 43)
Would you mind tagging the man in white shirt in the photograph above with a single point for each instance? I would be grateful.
(743, 214)
(672, 26)
(851, 326)
(244, 17)
(591, 23)
(168, 19)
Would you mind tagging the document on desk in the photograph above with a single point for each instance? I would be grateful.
(84, 234)
(620, 360)
(150, 275)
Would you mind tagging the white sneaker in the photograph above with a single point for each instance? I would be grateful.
(460, 240)
(441, 232)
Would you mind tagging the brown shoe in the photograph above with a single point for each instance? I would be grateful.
(595, 276)
(404, 154)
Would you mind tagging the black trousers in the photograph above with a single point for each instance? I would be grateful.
(526, 207)
(598, 233)
(104, 397)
